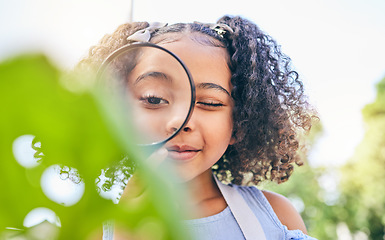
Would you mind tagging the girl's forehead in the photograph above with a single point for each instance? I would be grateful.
(197, 37)
(207, 64)
(189, 49)
(197, 42)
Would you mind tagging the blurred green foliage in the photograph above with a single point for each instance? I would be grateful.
(82, 130)
(354, 196)
(363, 178)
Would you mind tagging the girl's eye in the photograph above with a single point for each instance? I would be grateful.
(210, 104)
(153, 101)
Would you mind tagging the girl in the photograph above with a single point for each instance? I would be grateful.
(249, 113)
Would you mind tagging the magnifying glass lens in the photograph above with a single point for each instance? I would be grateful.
(157, 88)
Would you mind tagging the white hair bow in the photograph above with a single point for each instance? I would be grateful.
(144, 35)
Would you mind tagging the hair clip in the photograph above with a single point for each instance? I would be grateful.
(144, 35)
(220, 28)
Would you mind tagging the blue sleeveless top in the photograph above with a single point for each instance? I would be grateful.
(223, 225)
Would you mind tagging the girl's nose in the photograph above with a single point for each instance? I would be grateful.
(174, 124)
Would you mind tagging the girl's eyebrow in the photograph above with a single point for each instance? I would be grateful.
(212, 86)
(158, 75)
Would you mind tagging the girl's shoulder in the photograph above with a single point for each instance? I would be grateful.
(277, 208)
(285, 211)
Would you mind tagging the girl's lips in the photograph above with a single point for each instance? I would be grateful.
(182, 153)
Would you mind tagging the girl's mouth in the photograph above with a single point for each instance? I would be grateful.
(182, 153)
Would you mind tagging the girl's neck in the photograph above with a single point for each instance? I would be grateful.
(206, 197)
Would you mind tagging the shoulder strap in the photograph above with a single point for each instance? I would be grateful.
(108, 230)
(247, 221)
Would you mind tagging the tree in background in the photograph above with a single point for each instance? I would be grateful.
(349, 201)
(363, 177)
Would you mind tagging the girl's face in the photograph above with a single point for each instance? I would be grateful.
(208, 133)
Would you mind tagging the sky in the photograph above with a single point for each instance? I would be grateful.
(337, 46)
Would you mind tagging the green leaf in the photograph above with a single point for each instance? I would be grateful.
(83, 130)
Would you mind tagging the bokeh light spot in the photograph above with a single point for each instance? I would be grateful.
(61, 190)
(39, 215)
(23, 151)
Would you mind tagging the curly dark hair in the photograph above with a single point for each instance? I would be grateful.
(270, 112)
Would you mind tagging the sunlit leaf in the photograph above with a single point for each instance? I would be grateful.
(77, 130)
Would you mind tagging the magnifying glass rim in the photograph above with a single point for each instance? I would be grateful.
(130, 46)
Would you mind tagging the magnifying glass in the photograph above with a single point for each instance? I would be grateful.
(157, 87)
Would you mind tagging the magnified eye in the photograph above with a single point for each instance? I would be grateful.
(153, 101)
